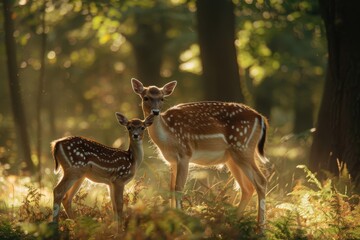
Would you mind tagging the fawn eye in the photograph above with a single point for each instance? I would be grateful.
(145, 98)
(162, 99)
(142, 128)
(129, 128)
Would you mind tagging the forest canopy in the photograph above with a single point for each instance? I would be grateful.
(93, 49)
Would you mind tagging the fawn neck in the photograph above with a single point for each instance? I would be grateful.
(136, 150)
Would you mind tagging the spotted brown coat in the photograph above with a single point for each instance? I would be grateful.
(208, 133)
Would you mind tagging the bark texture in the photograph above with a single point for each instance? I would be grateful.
(337, 137)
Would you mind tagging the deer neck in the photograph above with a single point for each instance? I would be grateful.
(158, 131)
(136, 151)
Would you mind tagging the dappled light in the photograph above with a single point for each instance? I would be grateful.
(289, 152)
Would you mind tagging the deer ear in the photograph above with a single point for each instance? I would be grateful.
(149, 120)
(169, 88)
(137, 86)
(121, 119)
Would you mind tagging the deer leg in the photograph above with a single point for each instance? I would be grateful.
(59, 192)
(256, 177)
(118, 203)
(67, 200)
(173, 173)
(260, 184)
(181, 176)
(247, 189)
(112, 197)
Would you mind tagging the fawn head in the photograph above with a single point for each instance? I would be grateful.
(135, 126)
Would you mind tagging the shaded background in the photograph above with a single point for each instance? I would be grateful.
(75, 60)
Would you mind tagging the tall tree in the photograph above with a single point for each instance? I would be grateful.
(337, 137)
(41, 91)
(216, 30)
(148, 44)
(303, 105)
(15, 92)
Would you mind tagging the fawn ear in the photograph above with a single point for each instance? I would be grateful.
(169, 88)
(137, 86)
(149, 120)
(121, 119)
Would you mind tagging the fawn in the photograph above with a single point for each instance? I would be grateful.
(82, 158)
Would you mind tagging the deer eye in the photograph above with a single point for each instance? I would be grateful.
(129, 128)
(162, 99)
(145, 98)
(142, 128)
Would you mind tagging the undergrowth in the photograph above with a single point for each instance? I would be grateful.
(312, 210)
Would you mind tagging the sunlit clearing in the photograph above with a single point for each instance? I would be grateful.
(192, 52)
(178, 2)
(199, 174)
(13, 190)
(22, 2)
(190, 60)
(193, 66)
(97, 192)
(283, 151)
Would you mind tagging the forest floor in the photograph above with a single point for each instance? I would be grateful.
(299, 206)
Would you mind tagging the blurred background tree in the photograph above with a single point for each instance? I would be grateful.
(216, 31)
(275, 55)
(15, 90)
(337, 138)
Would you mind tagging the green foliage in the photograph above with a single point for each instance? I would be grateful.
(31, 209)
(8, 232)
(321, 211)
(312, 210)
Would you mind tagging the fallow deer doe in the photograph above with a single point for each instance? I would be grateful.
(208, 133)
(81, 158)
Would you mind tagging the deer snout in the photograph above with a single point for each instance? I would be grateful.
(155, 111)
(136, 136)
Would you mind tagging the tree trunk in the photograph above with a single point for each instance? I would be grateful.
(216, 30)
(148, 45)
(303, 119)
(41, 92)
(263, 97)
(337, 137)
(15, 92)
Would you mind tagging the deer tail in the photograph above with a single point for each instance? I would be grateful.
(54, 146)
